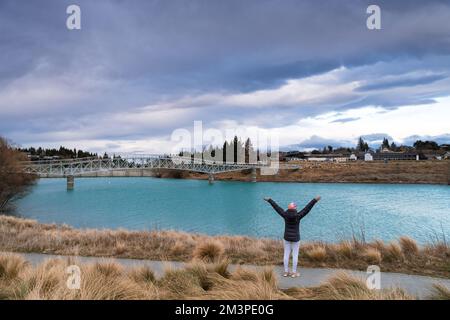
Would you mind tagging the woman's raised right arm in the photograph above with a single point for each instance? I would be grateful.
(277, 208)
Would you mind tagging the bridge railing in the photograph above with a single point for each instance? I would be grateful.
(175, 159)
(80, 166)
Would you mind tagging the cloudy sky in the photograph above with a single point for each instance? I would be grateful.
(309, 71)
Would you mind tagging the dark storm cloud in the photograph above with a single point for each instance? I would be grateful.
(166, 54)
(402, 82)
(217, 44)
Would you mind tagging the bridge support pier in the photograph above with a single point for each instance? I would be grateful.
(254, 174)
(210, 178)
(70, 182)
(448, 179)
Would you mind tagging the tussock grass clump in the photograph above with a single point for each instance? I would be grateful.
(42, 282)
(221, 268)
(120, 248)
(393, 252)
(343, 286)
(11, 265)
(409, 246)
(98, 285)
(316, 253)
(179, 284)
(209, 251)
(440, 292)
(142, 274)
(246, 284)
(99, 281)
(438, 249)
(379, 244)
(345, 249)
(372, 255)
(108, 268)
(179, 248)
(244, 274)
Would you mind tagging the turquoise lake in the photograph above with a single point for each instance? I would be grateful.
(383, 211)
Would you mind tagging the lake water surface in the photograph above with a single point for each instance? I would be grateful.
(383, 211)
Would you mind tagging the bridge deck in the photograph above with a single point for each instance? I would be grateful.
(78, 167)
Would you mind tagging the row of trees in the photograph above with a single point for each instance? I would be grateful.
(363, 146)
(13, 182)
(419, 145)
(231, 151)
(62, 152)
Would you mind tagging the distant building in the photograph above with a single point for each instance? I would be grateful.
(368, 156)
(331, 157)
(396, 156)
(377, 156)
(292, 156)
(353, 157)
(434, 155)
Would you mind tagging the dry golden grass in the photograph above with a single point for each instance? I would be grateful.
(372, 255)
(209, 251)
(197, 280)
(11, 265)
(345, 249)
(179, 284)
(345, 287)
(435, 172)
(142, 274)
(316, 253)
(393, 252)
(21, 235)
(440, 292)
(409, 246)
(260, 288)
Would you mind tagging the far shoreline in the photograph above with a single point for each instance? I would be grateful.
(426, 172)
(246, 181)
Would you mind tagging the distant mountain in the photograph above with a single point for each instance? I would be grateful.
(374, 140)
(316, 142)
(440, 139)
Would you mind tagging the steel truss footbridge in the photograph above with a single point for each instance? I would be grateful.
(70, 168)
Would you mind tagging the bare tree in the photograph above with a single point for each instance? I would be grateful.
(13, 182)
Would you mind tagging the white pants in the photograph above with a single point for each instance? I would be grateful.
(288, 248)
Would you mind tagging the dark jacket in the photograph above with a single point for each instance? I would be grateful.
(292, 219)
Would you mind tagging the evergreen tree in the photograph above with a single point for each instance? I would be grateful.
(362, 145)
(393, 146)
(235, 144)
(385, 144)
(224, 151)
(248, 150)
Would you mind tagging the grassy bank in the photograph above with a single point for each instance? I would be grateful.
(416, 172)
(197, 280)
(404, 255)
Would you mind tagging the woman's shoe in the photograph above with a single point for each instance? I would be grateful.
(286, 274)
(295, 275)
